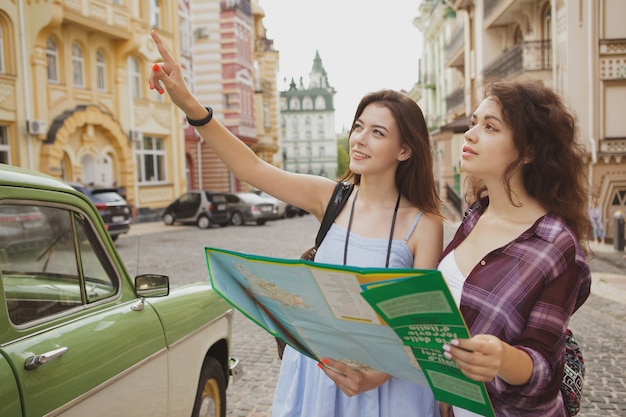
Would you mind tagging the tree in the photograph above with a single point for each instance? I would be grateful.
(343, 156)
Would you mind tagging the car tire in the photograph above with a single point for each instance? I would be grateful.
(168, 219)
(203, 222)
(114, 237)
(237, 219)
(211, 395)
(260, 222)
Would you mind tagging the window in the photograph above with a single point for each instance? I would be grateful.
(322, 152)
(320, 103)
(55, 250)
(294, 104)
(155, 14)
(78, 66)
(2, 58)
(150, 160)
(101, 75)
(52, 56)
(134, 77)
(320, 127)
(5, 155)
(307, 103)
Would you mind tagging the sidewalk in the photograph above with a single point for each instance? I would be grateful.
(609, 284)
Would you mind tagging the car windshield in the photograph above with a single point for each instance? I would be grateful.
(106, 197)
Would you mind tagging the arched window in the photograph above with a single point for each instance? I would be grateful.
(78, 66)
(307, 103)
(294, 104)
(101, 75)
(134, 77)
(52, 56)
(320, 103)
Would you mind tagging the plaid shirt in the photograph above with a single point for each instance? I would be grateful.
(525, 293)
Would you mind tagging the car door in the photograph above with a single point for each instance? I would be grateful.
(187, 206)
(76, 341)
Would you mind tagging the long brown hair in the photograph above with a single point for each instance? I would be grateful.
(546, 134)
(415, 177)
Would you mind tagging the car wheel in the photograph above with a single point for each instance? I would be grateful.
(236, 219)
(203, 222)
(168, 219)
(114, 237)
(260, 222)
(211, 395)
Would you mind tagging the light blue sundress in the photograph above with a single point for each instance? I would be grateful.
(303, 390)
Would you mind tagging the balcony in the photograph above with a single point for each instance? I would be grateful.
(99, 15)
(530, 56)
(454, 49)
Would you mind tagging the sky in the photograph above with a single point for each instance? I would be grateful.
(365, 45)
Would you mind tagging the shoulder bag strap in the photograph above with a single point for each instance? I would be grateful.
(336, 203)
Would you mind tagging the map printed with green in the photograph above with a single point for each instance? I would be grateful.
(391, 320)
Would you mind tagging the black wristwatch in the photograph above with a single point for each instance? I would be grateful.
(204, 121)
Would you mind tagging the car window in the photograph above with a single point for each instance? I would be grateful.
(190, 198)
(50, 262)
(218, 198)
(106, 197)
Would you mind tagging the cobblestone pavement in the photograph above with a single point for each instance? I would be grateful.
(599, 326)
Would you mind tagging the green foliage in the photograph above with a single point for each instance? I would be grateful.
(343, 156)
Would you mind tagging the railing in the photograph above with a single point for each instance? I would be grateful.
(525, 56)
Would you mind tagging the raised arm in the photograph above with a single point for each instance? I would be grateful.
(307, 192)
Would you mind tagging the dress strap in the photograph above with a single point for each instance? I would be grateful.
(413, 226)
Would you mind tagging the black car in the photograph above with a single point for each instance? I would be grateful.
(200, 207)
(113, 208)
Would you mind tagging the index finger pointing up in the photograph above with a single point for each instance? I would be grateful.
(163, 51)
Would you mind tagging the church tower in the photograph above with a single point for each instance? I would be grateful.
(308, 137)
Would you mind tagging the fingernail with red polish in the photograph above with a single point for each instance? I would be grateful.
(319, 365)
(324, 360)
(151, 86)
(155, 67)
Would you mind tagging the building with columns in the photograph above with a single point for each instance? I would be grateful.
(578, 48)
(308, 140)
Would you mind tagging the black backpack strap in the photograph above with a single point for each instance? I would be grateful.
(336, 203)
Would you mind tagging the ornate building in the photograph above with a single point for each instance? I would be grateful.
(74, 95)
(234, 69)
(309, 141)
(578, 48)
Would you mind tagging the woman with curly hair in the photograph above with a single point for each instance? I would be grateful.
(517, 264)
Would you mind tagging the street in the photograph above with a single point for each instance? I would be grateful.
(177, 251)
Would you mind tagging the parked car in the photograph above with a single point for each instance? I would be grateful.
(80, 336)
(281, 206)
(113, 208)
(249, 207)
(200, 207)
(292, 211)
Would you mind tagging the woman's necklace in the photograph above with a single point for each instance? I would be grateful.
(393, 224)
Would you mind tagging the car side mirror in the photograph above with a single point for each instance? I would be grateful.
(152, 285)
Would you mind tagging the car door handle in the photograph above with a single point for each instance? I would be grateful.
(35, 362)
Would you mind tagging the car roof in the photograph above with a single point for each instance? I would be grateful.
(22, 177)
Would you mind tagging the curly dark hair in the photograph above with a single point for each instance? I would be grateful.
(545, 133)
(415, 176)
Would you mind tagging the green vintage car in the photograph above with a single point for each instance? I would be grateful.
(79, 336)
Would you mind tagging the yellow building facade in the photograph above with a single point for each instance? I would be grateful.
(74, 96)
